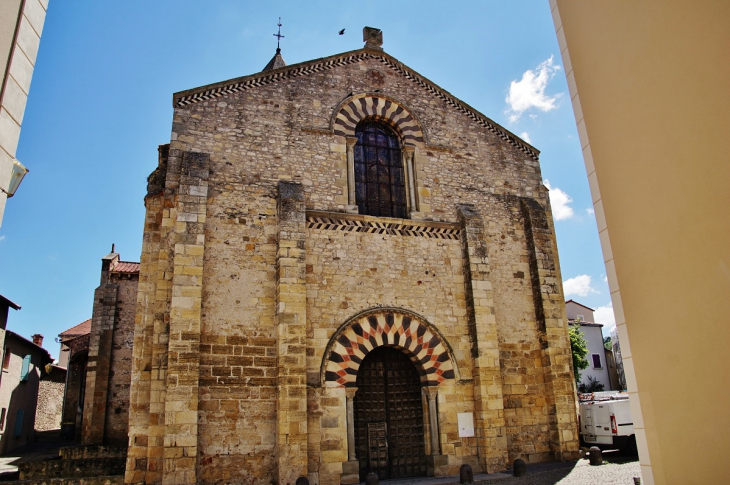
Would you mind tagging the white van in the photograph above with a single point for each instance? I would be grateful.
(605, 421)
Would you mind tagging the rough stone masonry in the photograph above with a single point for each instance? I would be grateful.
(271, 308)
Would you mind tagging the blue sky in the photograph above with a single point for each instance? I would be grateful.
(101, 102)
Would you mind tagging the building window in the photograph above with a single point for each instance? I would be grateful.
(380, 188)
(2, 419)
(596, 361)
(6, 359)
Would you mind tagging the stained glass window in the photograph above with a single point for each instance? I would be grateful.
(380, 188)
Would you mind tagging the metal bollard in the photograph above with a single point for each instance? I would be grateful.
(637, 480)
(595, 456)
(302, 481)
(372, 479)
(519, 469)
(466, 475)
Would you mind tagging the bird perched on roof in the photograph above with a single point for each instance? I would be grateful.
(342, 32)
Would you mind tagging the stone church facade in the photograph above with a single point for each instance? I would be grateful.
(345, 269)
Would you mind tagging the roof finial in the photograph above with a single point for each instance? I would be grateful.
(278, 37)
(112, 247)
(373, 38)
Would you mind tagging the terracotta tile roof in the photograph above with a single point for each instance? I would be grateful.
(82, 328)
(125, 267)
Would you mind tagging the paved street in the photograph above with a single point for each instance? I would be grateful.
(617, 469)
(580, 473)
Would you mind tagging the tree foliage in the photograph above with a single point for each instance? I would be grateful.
(579, 349)
(592, 386)
(608, 343)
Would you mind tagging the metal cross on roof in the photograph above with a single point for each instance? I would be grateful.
(278, 36)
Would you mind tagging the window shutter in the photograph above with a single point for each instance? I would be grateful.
(24, 371)
(19, 424)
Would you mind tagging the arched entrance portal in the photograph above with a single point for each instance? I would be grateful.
(388, 407)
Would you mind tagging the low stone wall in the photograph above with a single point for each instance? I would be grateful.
(109, 480)
(92, 452)
(48, 469)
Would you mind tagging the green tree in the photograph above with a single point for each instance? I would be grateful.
(593, 386)
(579, 349)
(607, 343)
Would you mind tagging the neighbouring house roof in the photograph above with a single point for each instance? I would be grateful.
(44, 353)
(9, 303)
(579, 304)
(82, 328)
(224, 88)
(584, 324)
(125, 267)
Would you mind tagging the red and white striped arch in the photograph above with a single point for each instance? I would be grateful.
(387, 327)
(369, 106)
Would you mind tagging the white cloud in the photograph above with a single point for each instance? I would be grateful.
(590, 211)
(2, 238)
(529, 92)
(560, 202)
(604, 314)
(580, 285)
(525, 136)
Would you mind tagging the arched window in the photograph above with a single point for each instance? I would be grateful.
(380, 188)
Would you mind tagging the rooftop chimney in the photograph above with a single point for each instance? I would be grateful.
(38, 340)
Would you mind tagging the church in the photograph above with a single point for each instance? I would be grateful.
(345, 270)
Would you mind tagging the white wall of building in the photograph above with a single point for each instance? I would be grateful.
(593, 334)
(21, 25)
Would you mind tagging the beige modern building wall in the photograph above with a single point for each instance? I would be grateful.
(21, 24)
(649, 83)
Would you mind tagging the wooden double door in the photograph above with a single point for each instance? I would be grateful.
(389, 426)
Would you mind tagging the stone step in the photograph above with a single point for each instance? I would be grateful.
(92, 451)
(86, 467)
(106, 480)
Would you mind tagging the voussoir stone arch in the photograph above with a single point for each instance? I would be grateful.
(382, 108)
(390, 327)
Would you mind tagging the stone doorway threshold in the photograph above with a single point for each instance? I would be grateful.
(478, 477)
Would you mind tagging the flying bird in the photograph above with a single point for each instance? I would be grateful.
(342, 32)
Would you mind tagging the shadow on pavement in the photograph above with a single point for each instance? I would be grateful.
(45, 447)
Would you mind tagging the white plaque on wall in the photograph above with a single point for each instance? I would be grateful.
(466, 424)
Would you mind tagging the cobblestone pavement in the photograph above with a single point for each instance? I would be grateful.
(581, 473)
(617, 469)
